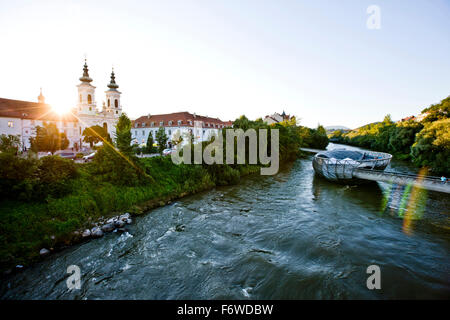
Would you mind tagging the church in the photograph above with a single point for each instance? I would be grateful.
(22, 117)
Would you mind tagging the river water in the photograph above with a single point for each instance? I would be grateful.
(288, 236)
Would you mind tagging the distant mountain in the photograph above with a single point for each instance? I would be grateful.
(333, 128)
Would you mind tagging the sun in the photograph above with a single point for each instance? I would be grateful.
(61, 108)
(60, 105)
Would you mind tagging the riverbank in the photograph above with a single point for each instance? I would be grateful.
(57, 223)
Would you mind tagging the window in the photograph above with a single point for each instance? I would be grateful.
(89, 99)
(143, 132)
(161, 123)
(10, 124)
(170, 122)
(135, 133)
(109, 103)
(180, 122)
(117, 112)
(116, 103)
(152, 124)
(190, 122)
(81, 98)
(90, 108)
(143, 124)
(170, 132)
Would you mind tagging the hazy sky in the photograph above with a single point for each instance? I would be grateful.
(223, 58)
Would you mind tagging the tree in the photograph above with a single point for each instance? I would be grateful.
(48, 138)
(149, 147)
(9, 143)
(438, 111)
(95, 134)
(432, 147)
(161, 138)
(123, 135)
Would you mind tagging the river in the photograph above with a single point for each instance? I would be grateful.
(288, 236)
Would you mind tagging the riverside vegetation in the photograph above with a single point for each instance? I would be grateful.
(425, 143)
(47, 202)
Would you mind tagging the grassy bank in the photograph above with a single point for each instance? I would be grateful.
(26, 227)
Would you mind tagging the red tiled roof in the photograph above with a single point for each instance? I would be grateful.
(31, 110)
(185, 117)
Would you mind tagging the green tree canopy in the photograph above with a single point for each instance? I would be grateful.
(9, 143)
(95, 134)
(432, 146)
(123, 134)
(48, 138)
(162, 139)
(437, 111)
(149, 148)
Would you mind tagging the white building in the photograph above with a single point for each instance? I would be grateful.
(276, 117)
(22, 117)
(176, 124)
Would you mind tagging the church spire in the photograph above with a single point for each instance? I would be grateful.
(41, 98)
(85, 77)
(112, 84)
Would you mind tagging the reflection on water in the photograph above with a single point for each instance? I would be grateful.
(290, 236)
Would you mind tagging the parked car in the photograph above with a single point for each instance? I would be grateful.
(166, 152)
(89, 157)
(68, 155)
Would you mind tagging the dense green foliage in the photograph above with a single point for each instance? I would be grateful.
(29, 179)
(48, 138)
(162, 139)
(432, 146)
(149, 148)
(425, 143)
(9, 143)
(95, 134)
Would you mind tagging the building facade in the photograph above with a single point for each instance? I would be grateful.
(86, 110)
(22, 117)
(177, 124)
(276, 118)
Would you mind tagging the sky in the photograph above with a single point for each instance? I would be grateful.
(316, 60)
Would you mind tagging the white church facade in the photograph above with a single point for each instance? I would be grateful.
(22, 117)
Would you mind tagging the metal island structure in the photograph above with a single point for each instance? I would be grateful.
(354, 166)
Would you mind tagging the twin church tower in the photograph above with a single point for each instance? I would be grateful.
(86, 109)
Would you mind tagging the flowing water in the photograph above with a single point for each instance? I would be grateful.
(288, 236)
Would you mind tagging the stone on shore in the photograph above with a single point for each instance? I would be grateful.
(112, 220)
(96, 232)
(108, 227)
(44, 252)
(86, 233)
(129, 221)
(119, 223)
(125, 216)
